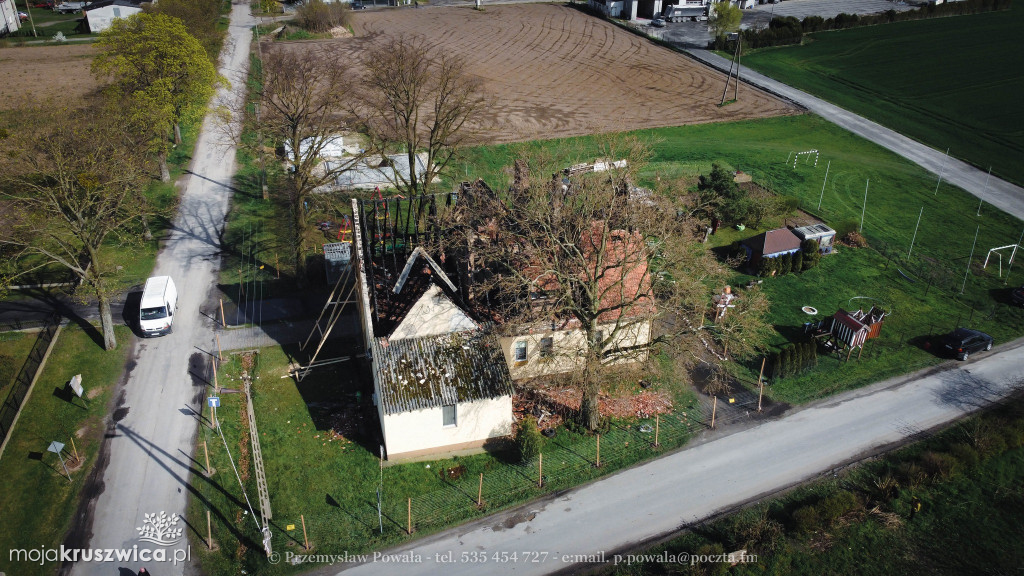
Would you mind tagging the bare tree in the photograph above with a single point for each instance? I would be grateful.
(71, 180)
(418, 100)
(303, 101)
(589, 253)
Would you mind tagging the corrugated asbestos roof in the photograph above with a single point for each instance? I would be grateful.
(420, 373)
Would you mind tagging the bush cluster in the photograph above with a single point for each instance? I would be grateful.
(528, 439)
(318, 17)
(793, 359)
(789, 30)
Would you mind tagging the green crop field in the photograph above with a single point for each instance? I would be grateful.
(951, 83)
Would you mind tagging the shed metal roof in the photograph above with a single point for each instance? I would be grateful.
(421, 373)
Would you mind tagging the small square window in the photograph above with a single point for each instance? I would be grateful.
(448, 415)
(520, 351)
(547, 347)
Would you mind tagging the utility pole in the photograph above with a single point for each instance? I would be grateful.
(31, 20)
(942, 170)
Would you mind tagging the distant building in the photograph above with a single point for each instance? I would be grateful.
(99, 15)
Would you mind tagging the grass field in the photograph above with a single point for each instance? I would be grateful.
(329, 481)
(898, 190)
(38, 501)
(967, 481)
(948, 82)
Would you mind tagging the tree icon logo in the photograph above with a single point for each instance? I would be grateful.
(160, 529)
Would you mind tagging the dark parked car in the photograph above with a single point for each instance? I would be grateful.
(358, 6)
(960, 343)
(1017, 296)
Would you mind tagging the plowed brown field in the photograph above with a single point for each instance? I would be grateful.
(552, 71)
(41, 72)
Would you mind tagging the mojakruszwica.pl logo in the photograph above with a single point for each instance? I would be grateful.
(160, 529)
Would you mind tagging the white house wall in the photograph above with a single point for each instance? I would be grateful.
(100, 18)
(567, 349)
(432, 315)
(419, 432)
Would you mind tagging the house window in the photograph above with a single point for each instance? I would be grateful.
(448, 415)
(117, 12)
(520, 351)
(547, 347)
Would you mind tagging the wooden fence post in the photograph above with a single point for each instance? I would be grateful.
(74, 450)
(410, 514)
(540, 472)
(220, 355)
(223, 322)
(206, 451)
(305, 538)
(657, 422)
(480, 491)
(714, 408)
(209, 531)
(598, 450)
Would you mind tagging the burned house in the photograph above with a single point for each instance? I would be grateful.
(440, 380)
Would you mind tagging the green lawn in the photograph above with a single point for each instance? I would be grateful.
(14, 349)
(38, 500)
(898, 190)
(967, 481)
(949, 82)
(332, 480)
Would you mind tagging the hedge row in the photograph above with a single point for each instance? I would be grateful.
(793, 359)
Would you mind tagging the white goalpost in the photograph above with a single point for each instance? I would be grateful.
(997, 252)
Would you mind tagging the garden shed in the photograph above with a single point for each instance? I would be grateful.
(771, 244)
(820, 232)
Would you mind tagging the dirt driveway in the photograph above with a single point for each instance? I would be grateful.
(552, 71)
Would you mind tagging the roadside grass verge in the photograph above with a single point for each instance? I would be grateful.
(14, 349)
(38, 501)
(928, 303)
(332, 480)
(966, 481)
(962, 100)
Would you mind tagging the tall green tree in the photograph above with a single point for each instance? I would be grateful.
(725, 18)
(70, 181)
(726, 200)
(161, 69)
(201, 19)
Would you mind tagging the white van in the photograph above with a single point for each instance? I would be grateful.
(159, 301)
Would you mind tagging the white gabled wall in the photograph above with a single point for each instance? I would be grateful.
(423, 430)
(432, 315)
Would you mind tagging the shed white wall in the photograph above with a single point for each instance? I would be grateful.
(422, 431)
(100, 18)
(432, 315)
(568, 347)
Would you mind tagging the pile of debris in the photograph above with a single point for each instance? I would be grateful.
(551, 406)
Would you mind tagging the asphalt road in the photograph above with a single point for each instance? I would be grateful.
(146, 459)
(633, 506)
(999, 193)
